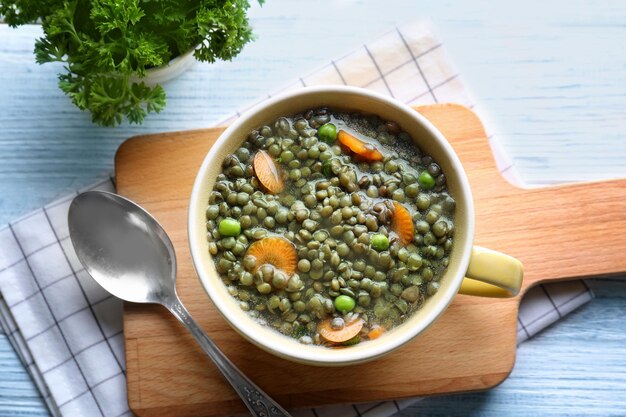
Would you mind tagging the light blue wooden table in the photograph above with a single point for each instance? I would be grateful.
(551, 74)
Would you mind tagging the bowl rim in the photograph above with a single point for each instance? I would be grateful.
(321, 356)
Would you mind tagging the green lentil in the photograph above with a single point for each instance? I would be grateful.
(422, 202)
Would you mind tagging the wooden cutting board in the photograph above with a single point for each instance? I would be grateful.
(558, 233)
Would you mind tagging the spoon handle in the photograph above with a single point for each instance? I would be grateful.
(258, 402)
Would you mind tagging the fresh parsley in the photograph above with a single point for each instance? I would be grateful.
(107, 45)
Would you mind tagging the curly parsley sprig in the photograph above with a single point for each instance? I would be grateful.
(107, 45)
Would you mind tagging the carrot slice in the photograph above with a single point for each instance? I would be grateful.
(375, 333)
(363, 149)
(268, 173)
(402, 224)
(347, 332)
(277, 251)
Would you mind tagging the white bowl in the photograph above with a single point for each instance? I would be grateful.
(347, 98)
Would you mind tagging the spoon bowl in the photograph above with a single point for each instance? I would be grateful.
(126, 252)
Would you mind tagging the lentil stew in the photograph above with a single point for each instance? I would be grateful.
(330, 227)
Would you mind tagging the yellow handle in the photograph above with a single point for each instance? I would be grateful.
(492, 274)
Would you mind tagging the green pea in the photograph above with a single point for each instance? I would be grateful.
(344, 304)
(379, 242)
(426, 180)
(327, 133)
(229, 227)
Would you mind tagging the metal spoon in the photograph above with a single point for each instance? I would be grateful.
(129, 254)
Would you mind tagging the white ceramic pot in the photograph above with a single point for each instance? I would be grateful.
(493, 273)
(170, 71)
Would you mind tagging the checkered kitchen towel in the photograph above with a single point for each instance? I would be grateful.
(68, 331)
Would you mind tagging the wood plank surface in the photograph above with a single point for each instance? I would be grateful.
(551, 74)
(168, 375)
